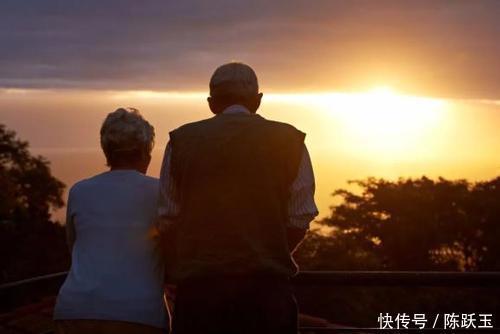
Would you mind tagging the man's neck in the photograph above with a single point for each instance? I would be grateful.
(236, 109)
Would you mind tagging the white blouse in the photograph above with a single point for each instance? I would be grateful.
(114, 272)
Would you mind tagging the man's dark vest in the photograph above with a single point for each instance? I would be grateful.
(233, 174)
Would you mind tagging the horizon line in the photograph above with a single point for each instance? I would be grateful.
(273, 94)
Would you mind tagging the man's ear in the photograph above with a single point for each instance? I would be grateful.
(256, 103)
(210, 104)
(259, 97)
(213, 105)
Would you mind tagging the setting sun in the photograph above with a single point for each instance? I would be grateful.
(379, 123)
(385, 123)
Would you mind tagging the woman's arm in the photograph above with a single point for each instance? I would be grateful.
(70, 233)
(70, 222)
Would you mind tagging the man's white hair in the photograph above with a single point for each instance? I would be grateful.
(125, 130)
(234, 79)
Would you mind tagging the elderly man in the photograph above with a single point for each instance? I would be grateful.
(236, 198)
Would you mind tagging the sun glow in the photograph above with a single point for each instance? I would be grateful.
(381, 122)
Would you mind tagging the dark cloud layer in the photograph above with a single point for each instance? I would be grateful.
(445, 48)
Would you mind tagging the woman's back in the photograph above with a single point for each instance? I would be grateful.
(114, 273)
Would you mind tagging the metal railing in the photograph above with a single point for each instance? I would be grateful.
(398, 278)
(31, 290)
(335, 278)
(14, 294)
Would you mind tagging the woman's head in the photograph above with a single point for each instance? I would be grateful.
(127, 140)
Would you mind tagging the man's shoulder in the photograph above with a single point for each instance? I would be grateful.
(194, 128)
(188, 127)
(283, 127)
(280, 124)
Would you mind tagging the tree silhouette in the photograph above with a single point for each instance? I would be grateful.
(30, 243)
(410, 224)
(30, 191)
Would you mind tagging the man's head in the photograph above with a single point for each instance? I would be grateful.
(127, 140)
(234, 83)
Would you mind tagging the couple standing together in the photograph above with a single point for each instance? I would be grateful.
(234, 199)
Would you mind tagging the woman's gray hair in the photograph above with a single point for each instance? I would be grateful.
(126, 135)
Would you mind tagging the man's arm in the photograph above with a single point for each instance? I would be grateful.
(295, 236)
(168, 211)
(301, 206)
(168, 208)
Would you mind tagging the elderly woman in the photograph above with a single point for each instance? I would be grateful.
(115, 284)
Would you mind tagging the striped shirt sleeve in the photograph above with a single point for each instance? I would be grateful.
(167, 205)
(301, 206)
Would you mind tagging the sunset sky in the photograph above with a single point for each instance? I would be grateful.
(382, 88)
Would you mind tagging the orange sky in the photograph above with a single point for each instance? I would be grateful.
(383, 88)
(350, 136)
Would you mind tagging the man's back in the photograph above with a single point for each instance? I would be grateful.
(234, 173)
(236, 198)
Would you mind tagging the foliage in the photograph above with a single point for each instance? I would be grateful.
(410, 224)
(29, 189)
(30, 244)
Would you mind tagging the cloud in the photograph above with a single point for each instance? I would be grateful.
(445, 48)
